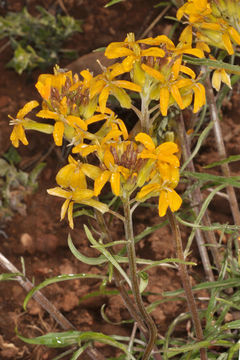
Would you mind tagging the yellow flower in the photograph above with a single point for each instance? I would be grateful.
(74, 174)
(62, 120)
(104, 85)
(163, 154)
(133, 51)
(18, 133)
(79, 196)
(112, 173)
(172, 87)
(168, 197)
(217, 23)
(220, 75)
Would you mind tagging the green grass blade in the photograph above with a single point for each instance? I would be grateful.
(68, 338)
(202, 137)
(107, 254)
(58, 279)
(85, 259)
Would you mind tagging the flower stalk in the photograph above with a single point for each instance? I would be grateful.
(134, 279)
(186, 282)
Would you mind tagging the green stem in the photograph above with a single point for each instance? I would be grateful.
(186, 282)
(134, 280)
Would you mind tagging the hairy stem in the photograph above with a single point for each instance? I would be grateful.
(135, 282)
(186, 282)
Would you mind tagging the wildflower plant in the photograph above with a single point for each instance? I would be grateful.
(137, 163)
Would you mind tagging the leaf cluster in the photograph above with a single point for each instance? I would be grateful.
(37, 41)
(15, 184)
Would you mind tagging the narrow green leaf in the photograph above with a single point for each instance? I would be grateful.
(79, 351)
(85, 259)
(230, 159)
(67, 338)
(107, 254)
(224, 284)
(201, 138)
(113, 2)
(204, 177)
(9, 276)
(143, 281)
(58, 279)
(212, 63)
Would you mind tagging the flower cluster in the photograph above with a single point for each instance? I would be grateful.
(103, 151)
(215, 22)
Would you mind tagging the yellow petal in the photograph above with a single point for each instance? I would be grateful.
(113, 52)
(177, 96)
(186, 35)
(58, 133)
(113, 134)
(227, 43)
(123, 129)
(95, 118)
(57, 191)
(26, 109)
(17, 134)
(164, 100)
(96, 87)
(146, 190)
(14, 137)
(216, 80)
(127, 85)
(211, 26)
(76, 120)
(199, 97)
(86, 75)
(118, 69)
(163, 203)
(82, 194)
(103, 99)
(160, 39)
(97, 205)
(146, 140)
(154, 73)
(108, 159)
(195, 52)
(84, 149)
(70, 214)
(153, 51)
(101, 181)
(226, 78)
(234, 34)
(47, 114)
(91, 171)
(174, 200)
(115, 183)
(176, 67)
(64, 208)
(121, 95)
(44, 89)
(188, 71)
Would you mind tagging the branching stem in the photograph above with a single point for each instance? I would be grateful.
(186, 282)
(135, 282)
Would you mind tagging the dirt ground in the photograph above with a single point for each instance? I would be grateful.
(41, 240)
